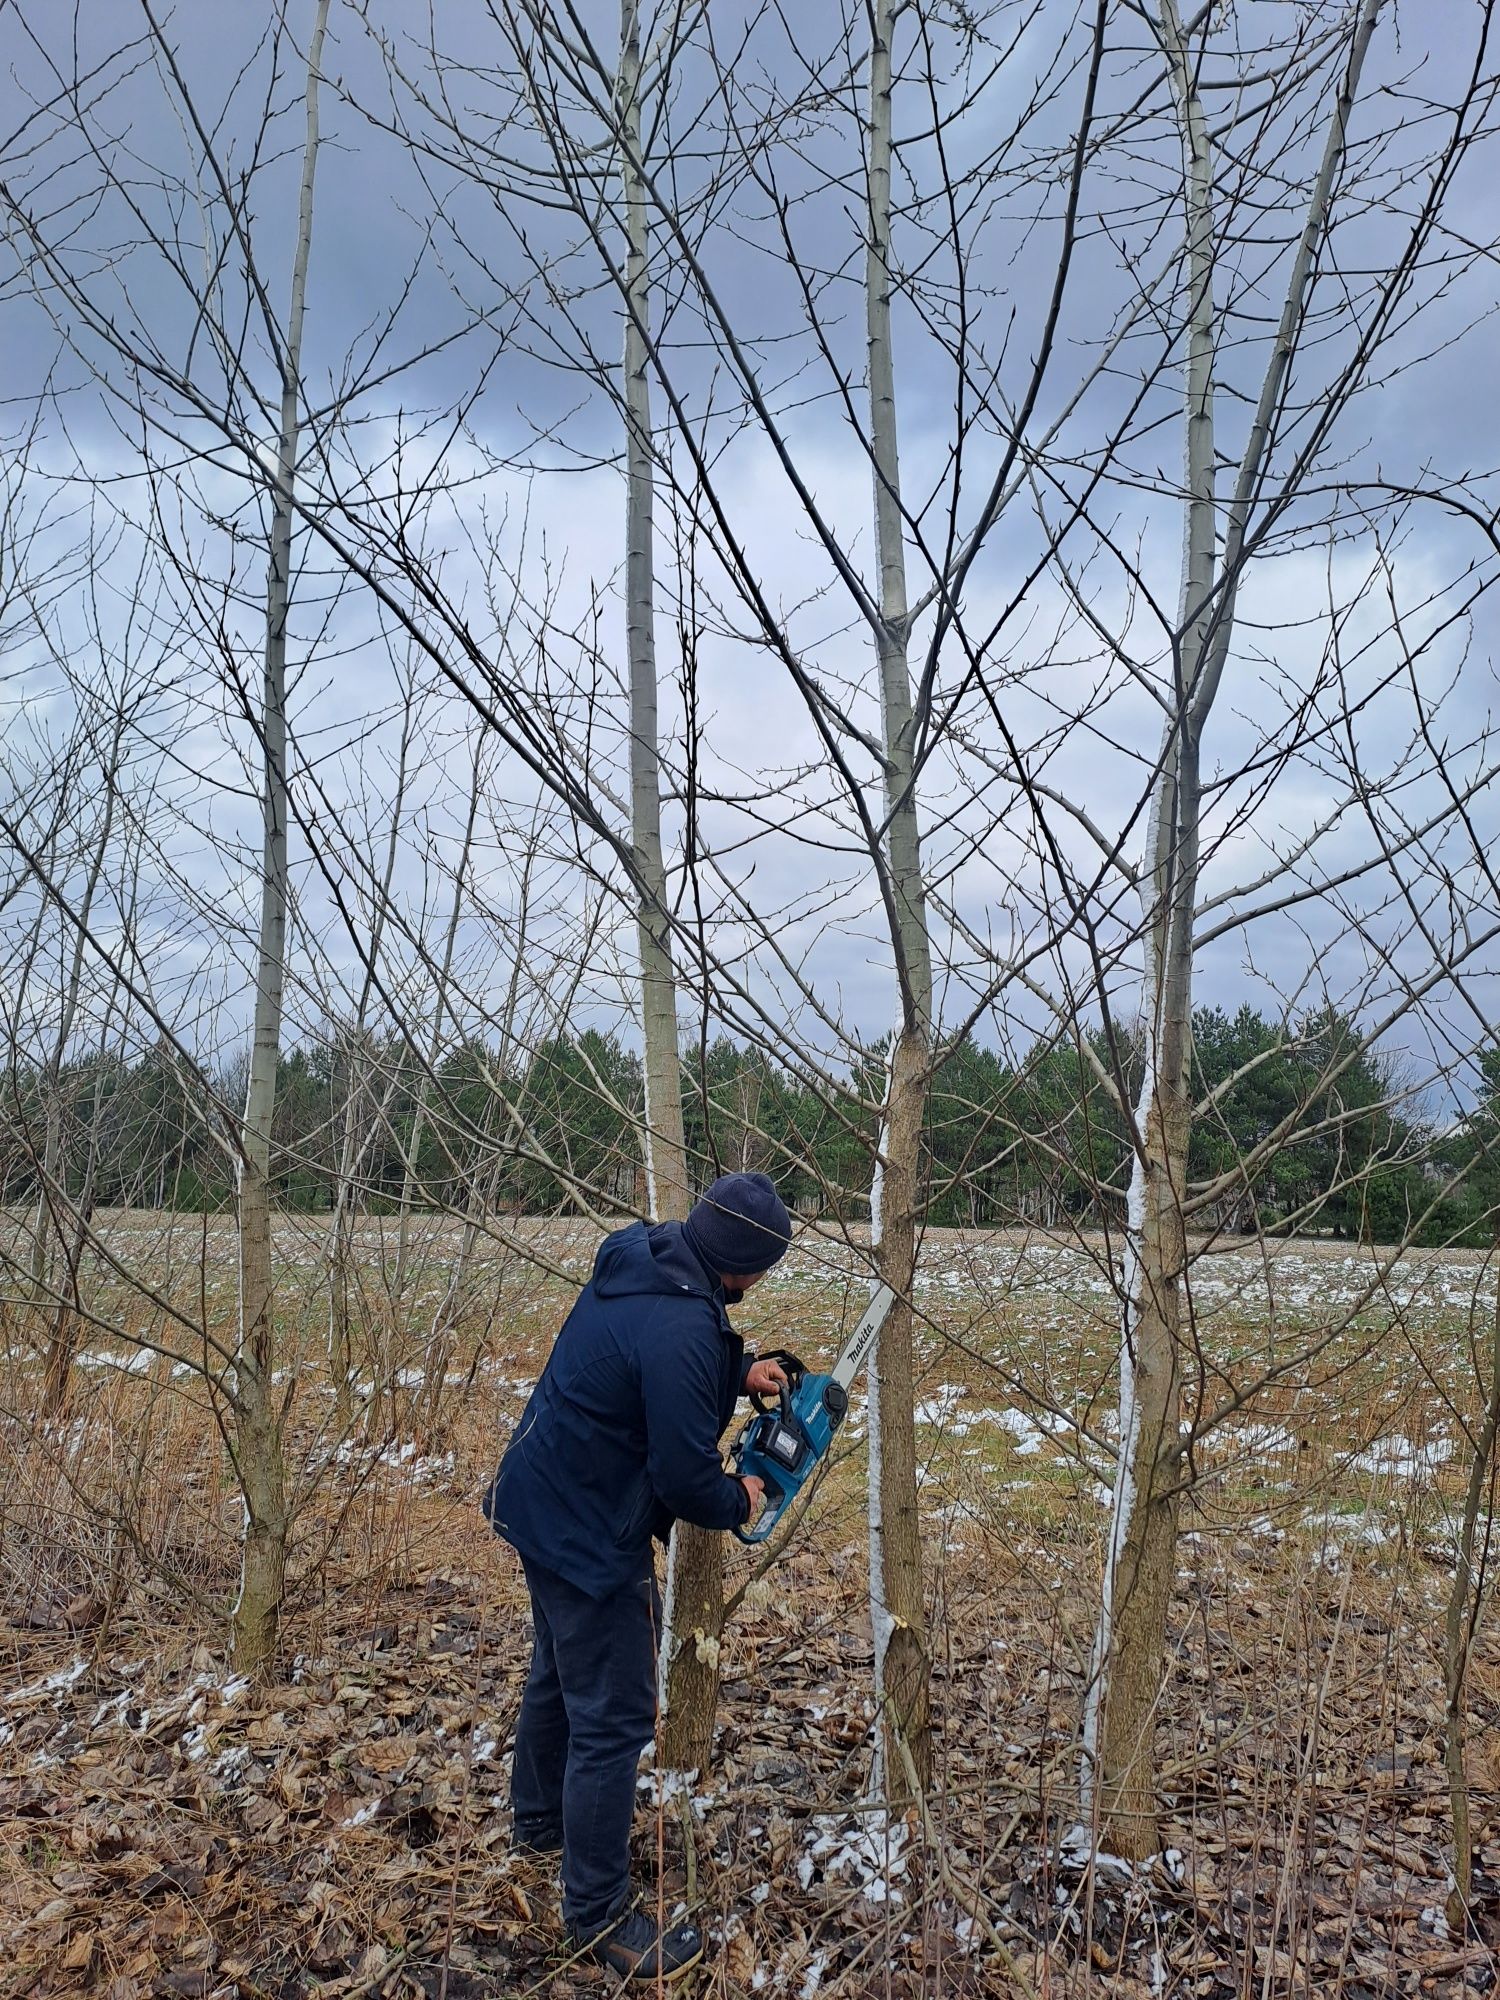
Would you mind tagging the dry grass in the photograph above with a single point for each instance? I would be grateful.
(343, 1831)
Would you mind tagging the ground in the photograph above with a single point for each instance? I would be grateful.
(341, 1829)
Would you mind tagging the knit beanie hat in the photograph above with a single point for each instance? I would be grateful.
(740, 1226)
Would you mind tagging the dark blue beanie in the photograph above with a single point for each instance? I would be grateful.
(740, 1226)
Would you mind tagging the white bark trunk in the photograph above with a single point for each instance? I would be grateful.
(257, 1440)
(880, 1614)
(666, 1162)
(1116, 1779)
(902, 1663)
(693, 1613)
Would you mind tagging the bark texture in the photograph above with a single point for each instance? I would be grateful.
(898, 1611)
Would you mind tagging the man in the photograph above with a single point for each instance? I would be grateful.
(621, 1437)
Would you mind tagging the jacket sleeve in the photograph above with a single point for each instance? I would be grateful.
(745, 1367)
(680, 1394)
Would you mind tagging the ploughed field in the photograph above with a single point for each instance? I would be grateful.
(169, 1828)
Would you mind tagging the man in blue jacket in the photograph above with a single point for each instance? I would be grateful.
(621, 1438)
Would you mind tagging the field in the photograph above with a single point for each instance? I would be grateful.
(169, 1828)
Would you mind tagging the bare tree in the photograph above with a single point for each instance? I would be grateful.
(258, 1444)
(1219, 543)
(902, 1664)
(692, 1613)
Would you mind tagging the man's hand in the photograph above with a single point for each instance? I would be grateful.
(764, 1378)
(756, 1489)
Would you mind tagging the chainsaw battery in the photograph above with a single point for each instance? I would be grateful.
(782, 1443)
(781, 1447)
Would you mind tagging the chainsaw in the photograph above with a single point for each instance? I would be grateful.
(784, 1440)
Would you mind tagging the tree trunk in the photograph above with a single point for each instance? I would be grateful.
(1140, 1560)
(1140, 1569)
(897, 1610)
(63, 1348)
(258, 1449)
(666, 1152)
(693, 1613)
(261, 1464)
(427, 1406)
(337, 1260)
(45, 1229)
(902, 1660)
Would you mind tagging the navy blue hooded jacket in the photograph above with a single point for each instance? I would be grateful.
(621, 1435)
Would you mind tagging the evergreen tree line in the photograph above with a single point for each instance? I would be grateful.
(1301, 1133)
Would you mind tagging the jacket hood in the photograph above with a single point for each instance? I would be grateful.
(657, 1260)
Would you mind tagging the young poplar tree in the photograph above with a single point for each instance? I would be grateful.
(898, 1620)
(1287, 430)
(257, 1441)
(210, 384)
(693, 1608)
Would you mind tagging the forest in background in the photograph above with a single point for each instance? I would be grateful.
(1041, 1144)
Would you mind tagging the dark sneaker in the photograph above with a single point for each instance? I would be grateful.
(540, 1845)
(633, 1946)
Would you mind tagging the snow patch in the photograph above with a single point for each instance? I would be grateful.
(394, 1456)
(1402, 1459)
(53, 1684)
(135, 1363)
(662, 1788)
(1076, 1849)
(813, 1977)
(868, 1851)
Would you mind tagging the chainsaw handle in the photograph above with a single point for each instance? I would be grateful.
(795, 1367)
(784, 1402)
(771, 1512)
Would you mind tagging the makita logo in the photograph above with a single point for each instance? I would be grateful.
(864, 1334)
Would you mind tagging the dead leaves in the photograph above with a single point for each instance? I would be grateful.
(740, 1955)
(176, 1833)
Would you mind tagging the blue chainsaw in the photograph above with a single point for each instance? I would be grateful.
(784, 1440)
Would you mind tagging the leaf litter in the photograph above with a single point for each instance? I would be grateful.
(174, 1829)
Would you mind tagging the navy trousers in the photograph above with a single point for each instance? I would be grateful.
(588, 1711)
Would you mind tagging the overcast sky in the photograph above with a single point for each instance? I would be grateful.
(450, 284)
